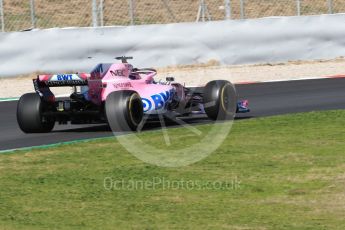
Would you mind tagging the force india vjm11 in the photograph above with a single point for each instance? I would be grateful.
(121, 96)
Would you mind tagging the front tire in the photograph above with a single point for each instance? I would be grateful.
(29, 114)
(220, 100)
(124, 110)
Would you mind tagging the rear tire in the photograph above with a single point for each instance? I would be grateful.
(124, 110)
(29, 114)
(220, 100)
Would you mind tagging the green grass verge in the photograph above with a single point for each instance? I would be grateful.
(284, 172)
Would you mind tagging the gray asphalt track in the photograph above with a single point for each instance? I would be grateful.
(266, 99)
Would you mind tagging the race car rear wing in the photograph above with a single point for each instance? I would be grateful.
(58, 80)
(43, 82)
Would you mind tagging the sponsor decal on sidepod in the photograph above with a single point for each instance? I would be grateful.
(157, 101)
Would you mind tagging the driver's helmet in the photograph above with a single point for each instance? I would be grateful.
(130, 68)
(132, 75)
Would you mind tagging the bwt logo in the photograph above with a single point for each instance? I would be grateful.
(65, 77)
(157, 101)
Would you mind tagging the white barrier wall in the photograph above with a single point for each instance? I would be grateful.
(275, 39)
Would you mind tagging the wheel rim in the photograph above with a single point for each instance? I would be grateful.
(225, 99)
(135, 109)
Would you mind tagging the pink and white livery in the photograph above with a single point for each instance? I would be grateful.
(121, 96)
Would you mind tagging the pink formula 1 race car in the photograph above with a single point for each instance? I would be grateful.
(121, 96)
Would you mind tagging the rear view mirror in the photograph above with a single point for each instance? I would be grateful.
(170, 79)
